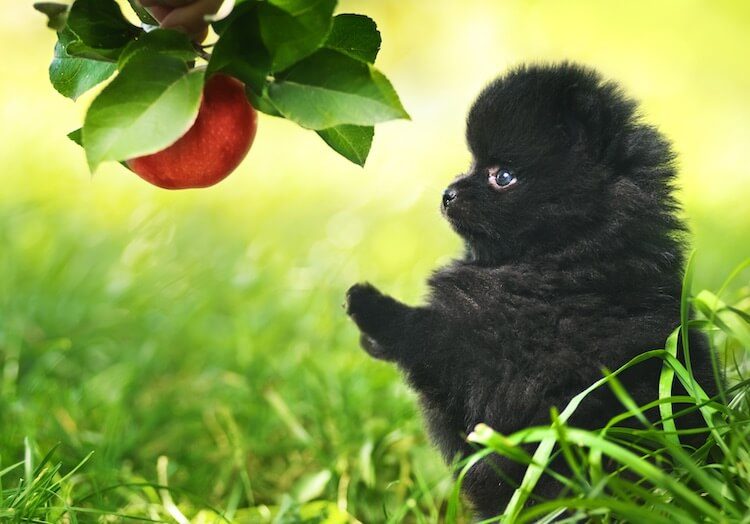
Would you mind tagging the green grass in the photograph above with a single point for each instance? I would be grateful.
(163, 336)
(211, 376)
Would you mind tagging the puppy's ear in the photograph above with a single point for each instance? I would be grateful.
(593, 115)
(584, 118)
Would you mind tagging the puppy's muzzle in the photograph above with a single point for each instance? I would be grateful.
(449, 195)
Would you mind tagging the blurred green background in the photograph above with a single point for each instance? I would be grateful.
(206, 326)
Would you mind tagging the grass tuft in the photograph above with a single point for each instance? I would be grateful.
(649, 475)
(162, 334)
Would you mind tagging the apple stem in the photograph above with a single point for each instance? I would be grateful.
(203, 54)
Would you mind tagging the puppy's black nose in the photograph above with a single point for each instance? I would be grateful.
(449, 195)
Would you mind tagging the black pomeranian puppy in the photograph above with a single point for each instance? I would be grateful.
(573, 264)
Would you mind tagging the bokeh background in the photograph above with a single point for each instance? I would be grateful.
(206, 326)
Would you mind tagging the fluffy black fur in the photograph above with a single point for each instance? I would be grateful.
(573, 268)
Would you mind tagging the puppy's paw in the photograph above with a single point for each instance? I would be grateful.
(362, 299)
(379, 318)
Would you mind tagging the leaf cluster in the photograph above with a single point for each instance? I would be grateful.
(298, 61)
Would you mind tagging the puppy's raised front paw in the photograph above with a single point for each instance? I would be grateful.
(361, 298)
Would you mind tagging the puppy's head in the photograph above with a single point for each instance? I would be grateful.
(549, 146)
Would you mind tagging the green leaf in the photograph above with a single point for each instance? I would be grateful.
(80, 50)
(355, 35)
(73, 76)
(352, 142)
(57, 14)
(294, 29)
(143, 13)
(152, 102)
(240, 52)
(330, 88)
(100, 24)
(77, 136)
(164, 41)
(289, 29)
(262, 103)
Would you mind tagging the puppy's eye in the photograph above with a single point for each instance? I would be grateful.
(501, 179)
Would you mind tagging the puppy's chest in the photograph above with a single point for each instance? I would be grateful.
(489, 307)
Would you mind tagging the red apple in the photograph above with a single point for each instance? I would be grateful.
(216, 144)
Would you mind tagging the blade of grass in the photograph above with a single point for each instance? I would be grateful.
(655, 476)
(666, 379)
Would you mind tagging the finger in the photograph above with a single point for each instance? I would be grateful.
(159, 12)
(191, 18)
(166, 3)
(201, 36)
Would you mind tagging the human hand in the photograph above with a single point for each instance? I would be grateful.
(184, 15)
